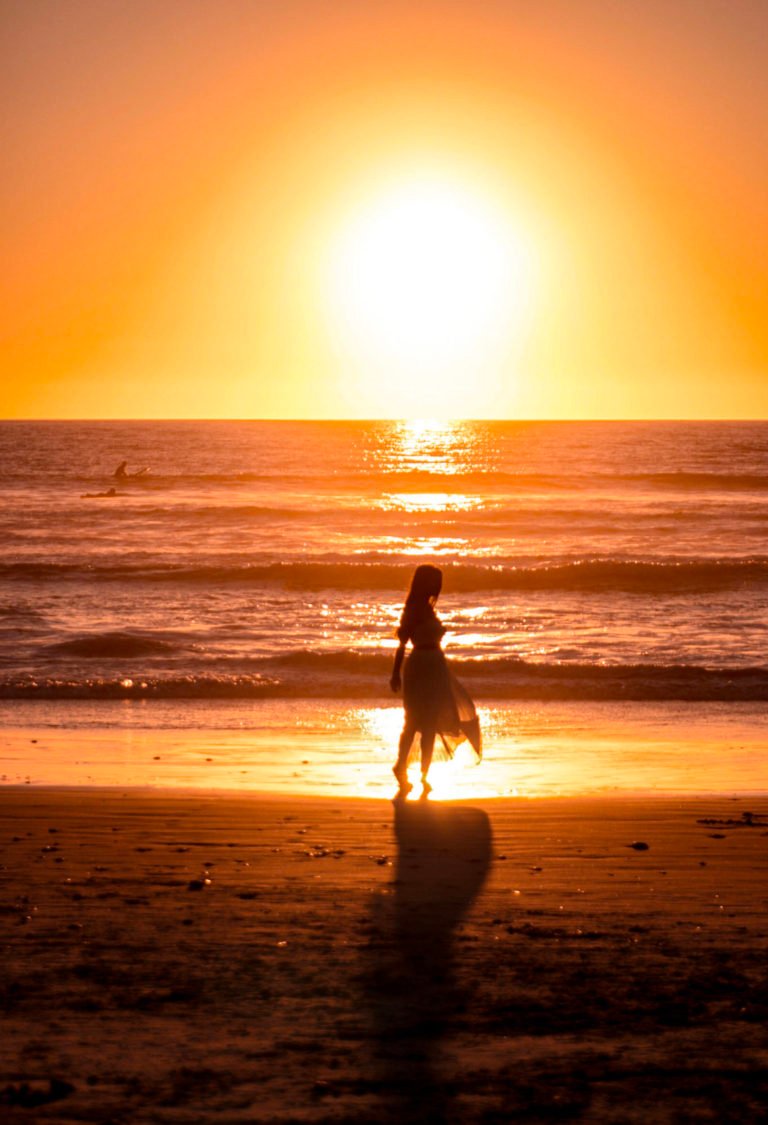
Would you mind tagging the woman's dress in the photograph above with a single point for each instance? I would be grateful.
(433, 698)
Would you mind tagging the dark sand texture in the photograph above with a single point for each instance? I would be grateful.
(190, 959)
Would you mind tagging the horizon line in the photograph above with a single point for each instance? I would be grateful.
(422, 419)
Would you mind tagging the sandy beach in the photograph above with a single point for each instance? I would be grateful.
(188, 958)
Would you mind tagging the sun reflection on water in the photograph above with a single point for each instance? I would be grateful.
(412, 456)
(337, 749)
(450, 781)
(430, 502)
(431, 446)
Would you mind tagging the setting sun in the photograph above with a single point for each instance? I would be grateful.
(384, 211)
(429, 285)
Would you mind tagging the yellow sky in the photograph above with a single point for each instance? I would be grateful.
(181, 179)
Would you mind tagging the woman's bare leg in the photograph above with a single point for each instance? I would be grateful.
(427, 749)
(400, 768)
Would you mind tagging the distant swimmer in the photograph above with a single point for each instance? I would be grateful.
(121, 472)
(95, 495)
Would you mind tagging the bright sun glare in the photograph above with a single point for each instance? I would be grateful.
(429, 286)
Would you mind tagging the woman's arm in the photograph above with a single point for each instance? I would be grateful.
(395, 681)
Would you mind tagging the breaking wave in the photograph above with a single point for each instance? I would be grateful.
(594, 575)
(350, 675)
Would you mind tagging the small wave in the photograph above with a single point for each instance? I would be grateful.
(364, 676)
(142, 687)
(588, 575)
(630, 681)
(223, 512)
(358, 482)
(154, 481)
(719, 482)
(514, 677)
(581, 481)
(18, 611)
(228, 478)
(114, 645)
(476, 476)
(683, 480)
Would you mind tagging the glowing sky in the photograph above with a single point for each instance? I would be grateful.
(184, 183)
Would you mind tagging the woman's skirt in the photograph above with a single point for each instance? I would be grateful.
(434, 700)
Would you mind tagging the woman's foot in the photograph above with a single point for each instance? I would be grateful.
(401, 775)
(426, 788)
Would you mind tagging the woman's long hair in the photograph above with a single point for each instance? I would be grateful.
(426, 585)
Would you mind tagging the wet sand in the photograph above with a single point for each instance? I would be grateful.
(187, 958)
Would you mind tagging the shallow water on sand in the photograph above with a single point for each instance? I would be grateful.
(345, 748)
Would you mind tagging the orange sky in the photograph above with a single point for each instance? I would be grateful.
(175, 174)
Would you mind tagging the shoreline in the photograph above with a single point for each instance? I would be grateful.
(497, 801)
(190, 958)
(340, 747)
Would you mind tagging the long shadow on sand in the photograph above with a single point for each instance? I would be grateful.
(443, 859)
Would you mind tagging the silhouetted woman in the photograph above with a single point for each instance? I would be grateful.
(436, 705)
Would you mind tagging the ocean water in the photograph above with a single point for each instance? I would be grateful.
(263, 561)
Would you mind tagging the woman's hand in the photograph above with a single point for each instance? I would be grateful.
(394, 681)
